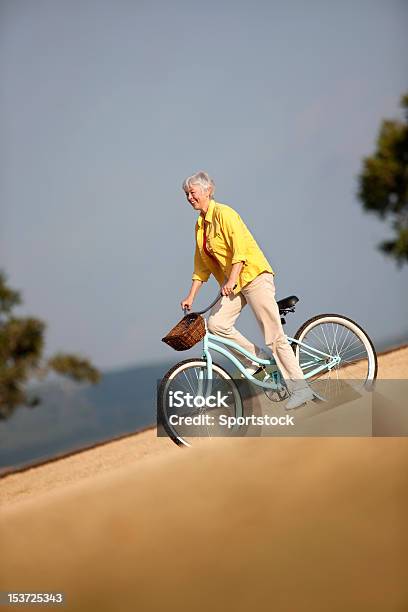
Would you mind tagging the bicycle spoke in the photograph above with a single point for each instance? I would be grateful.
(192, 378)
(340, 340)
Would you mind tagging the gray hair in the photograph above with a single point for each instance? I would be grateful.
(202, 179)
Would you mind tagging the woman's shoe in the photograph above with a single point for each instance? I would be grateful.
(299, 397)
(254, 371)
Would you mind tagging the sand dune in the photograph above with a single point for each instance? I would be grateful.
(272, 524)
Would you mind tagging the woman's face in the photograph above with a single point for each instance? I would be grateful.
(197, 196)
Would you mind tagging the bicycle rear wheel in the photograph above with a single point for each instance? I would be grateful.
(339, 337)
(189, 378)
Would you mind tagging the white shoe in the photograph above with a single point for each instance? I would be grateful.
(299, 397)
(252, 369)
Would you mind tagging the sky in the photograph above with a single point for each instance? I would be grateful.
(106, 106)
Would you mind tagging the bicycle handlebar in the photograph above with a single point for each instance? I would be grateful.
(200, 312)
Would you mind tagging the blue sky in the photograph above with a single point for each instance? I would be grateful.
(107, 106)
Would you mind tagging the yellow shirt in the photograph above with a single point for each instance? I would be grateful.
(229, 241)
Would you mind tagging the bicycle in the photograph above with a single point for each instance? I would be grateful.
(329, 348)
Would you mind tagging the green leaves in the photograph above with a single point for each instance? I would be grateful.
(21, 355)
(383, 183)
(8, 297)
(21, 340)
(74, 366)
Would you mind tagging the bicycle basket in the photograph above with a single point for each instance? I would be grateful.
(189, 331)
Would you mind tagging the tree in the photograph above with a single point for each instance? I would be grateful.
(383, 183)
(21, 348)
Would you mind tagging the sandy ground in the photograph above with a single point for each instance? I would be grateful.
(393, 364)
(277, 524)
(128, 451)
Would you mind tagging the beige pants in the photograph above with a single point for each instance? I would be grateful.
(260, 295)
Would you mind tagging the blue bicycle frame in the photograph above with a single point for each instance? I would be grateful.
(310, 368)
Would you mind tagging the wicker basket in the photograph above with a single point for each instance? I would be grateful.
(189, 331)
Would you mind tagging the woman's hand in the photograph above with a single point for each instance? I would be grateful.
(187, 303)
(231, 283)
(228, 288)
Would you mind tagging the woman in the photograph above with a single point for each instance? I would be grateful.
(226, 249)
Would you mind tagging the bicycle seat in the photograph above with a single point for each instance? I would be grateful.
(287, 303)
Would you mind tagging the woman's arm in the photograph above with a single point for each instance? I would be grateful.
(233, 277)
(188, 301)
(201, 275)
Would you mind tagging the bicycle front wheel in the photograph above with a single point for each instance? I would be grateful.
(340, 338)
(180, 402)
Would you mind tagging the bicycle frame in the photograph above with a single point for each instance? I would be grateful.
(213, 342)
